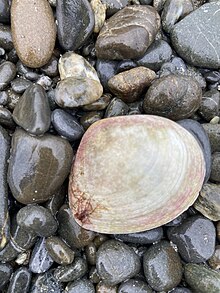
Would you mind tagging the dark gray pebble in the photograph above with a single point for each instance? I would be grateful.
(75, 23)
(195, 239)
(59, 251)
(175, 66)
(202, 138)
(106, 69)
(4, 98)
(212, 76)
(37, 219)
(83, 285)
(157, 54)
(49, 156)
(114, 6)
(6, 119)
(213, 131)
(4, 215)
(116, 262)
(73, 234)
(215, 170)
(20, 241)
(32, 112)
(181, 290)
(66, 125)
(5, 6)
(145, 237)
(162, 261)
(126, 65)
(51, 68)
(202, 279)
(94, 276)
(13, 99)
(7, 73)
(32, 76)
(46, 283)
(6, 37)
(20, 281)
(5, 274)
(40, 260)
(116, 108)
(209, 107)
(134, 286)
(19, 85)
(71, 272)
(100, 104)
(178, 220)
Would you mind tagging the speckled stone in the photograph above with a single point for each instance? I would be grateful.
(82, 285)
(214, 261)
(196, 38)
(99, 10)
(215, 170)
(33, 31)
(175, 97)
(213, 131)
(115, 41)
(46, 283)
(116, 108)
(36, 163)
(7, 73)
(116, 262)
(162, 261)
(130, 85)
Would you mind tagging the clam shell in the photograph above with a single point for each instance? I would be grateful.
(134, 173)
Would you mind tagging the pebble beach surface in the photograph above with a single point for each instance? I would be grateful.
(64, 65)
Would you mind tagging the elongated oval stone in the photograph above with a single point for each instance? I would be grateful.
(33, 31)
(75, 22)
(128, 33)
(38, 166)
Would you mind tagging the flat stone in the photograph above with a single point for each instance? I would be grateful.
(130, 85)
(32, 111)
(33, 31)
(196, 38)
(173, 96)
(36, 173)
(115, 41)
(75, 23)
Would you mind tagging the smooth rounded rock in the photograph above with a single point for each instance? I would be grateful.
(116, 262)
(20, 281)
(75, 23)
(59, 251)
(7, 73)
(130, 85)
(157, 54)
(196, 37)
(202, 279)
(6, 37)
(37, 219)
(116, 108)
(74, 235)
(33, 31)
(83, 285)
(214, 261)
(105, 70)
(99, 10)
(71, 272)
(174, 97)
(90, 118)
(67, 125)
(5, 6)
(115, 41)
(210, 104)
(46, 283)
(44, 164)
(40, 260)
(6, 119)
(114, 6)
(195, 239)
(213, 132)
(19, 85)
(162, 261)
(32, 111)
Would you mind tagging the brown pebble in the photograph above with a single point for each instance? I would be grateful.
(103, 288)
(130, 84)
(214, 261)
(33, 31)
